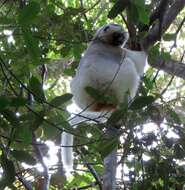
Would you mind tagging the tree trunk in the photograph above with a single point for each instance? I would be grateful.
(110, 162)
(109, 177)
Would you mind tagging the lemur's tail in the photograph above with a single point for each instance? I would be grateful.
(67, 151)
(67, 138)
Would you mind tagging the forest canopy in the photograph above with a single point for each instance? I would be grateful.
(41, 43)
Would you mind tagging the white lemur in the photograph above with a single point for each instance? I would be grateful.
(107, 67)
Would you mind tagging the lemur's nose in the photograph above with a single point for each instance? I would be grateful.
(118, 35)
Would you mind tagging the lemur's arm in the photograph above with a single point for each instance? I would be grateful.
(139, 58)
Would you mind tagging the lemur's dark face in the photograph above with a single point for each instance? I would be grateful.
(112, 34)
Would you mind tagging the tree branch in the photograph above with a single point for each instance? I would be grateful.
(157, 12)
(171, 67)
(95, 175)
(170, 15)
(176, 33)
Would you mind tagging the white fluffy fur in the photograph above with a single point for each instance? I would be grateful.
(99, 65)
(97, 69)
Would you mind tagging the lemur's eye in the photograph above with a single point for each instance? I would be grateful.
(106, 28)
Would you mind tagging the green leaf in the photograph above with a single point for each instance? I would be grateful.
(59, 100)
(37, 90)
(141, 102)
(18, 101)
(8, 176)
(29, 13)
(148, 82)
(119, 114)
(49, 132)
(133, 13)
(24, 134)
(165, 55)
(4, 102)
(71, 11)
(138, 12)
(142, 11)
(105, 147)
(100, 97)
(118, 7)
(32, 44)
(116, 116)
(173, 117)
(144, 16)
(69, 72)
(5, 20)
(23, 156)
(179, 152)
(155, 52)
(15, 102)
(169, 36)
(112, 100)
(94, 93)
(10, 116)
(38, 120)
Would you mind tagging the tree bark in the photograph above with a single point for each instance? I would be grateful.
(109, 177)
(110, 162)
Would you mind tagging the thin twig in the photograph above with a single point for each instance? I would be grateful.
(93, 172)
(167, 86)
(176, 33)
